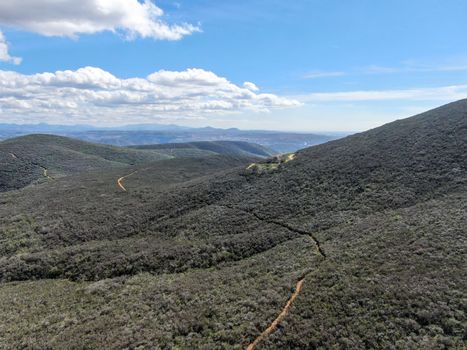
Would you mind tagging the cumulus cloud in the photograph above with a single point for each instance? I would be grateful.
(71, 18)
(4, 55)
(93, 95)
(250, 86)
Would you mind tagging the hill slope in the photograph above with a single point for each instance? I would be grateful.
(217, 147)
(37, 158)
(31, 158)
(367, 232)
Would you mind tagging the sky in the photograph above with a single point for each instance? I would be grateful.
(301, 65)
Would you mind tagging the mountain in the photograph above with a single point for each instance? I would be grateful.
(148, 134)
(38, 158)
(356, 243)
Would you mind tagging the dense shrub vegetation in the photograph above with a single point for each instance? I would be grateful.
(217, 147)
(23, 160)
(212, 308)
(203, 253)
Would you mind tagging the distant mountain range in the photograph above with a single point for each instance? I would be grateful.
(146, 134)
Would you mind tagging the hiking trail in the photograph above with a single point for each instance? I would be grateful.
(45, 171)
(272, 327)
(120, 180)
(298, 287)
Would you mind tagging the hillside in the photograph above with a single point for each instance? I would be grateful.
(38, 158)
(33, 158)
(365, 235)
(216, 147)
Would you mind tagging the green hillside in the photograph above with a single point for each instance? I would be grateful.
(366, 234)
(217, 147)
(39, 158)
(25, 159)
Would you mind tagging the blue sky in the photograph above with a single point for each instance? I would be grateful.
(330, 64)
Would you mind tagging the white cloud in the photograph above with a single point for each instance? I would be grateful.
(4, 55)
(71, 18)
(445, 93)
(323, 74)
(93, 95)
(250, 86)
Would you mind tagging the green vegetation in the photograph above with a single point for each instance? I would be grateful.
(204, 308)
(38, 158)
(20, 236)
(216, 147)
(203, 253)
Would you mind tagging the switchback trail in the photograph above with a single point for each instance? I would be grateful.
(120, 180)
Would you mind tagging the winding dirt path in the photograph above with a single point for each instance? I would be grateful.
(273, 326)
(45, 171)
(120, 180)
(298, 288)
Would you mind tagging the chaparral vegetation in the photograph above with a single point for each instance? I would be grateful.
(203, 246)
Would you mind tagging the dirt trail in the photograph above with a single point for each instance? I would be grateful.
(45, 171)
(272, 327)
(298, 288)
(120, 180)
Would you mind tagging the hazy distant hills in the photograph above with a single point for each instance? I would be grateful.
(369, 233)
(282, 142)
